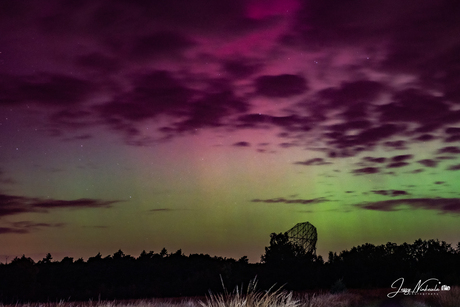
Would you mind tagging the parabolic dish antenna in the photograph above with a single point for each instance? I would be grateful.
(305, 235)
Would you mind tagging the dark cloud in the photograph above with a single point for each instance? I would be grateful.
(291, 201)
(281, 85)
(398, 193)
(425, 137)
(428, 162)
(452, 138)
(74, 204)
(287, 145)
(290, 123)
(114, 22)
(98, 62)
(153, 94)
(446, 158)
(449, 149)
(44, 89)
(431, 128)
(397, 145)
(23, 227)
(390, 192)
(350, 93)
(452, 130)
(374, 160)
(344, 153)
(397, 164)
(351, 125)
(333, 23)
(239, 68)
(413, 105)
(162, 44)
(11, 10)
(366, 171)
(366, 138)
(11, 205)
(444, 205)
(197, 14)
(210, 111)
(357, 111)
(314, 161)
(145, 61)
(455, 167)
(160, 94)
(242, 144)
(410, 51)
(453, 116)
(6, 230)
(400, 158)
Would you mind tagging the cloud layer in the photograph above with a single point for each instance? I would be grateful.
(190, 66)
(24, 227)
(12, 205)
(291, 201)
(345, 80)
(443, 205)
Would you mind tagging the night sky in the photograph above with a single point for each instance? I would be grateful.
(207, 125)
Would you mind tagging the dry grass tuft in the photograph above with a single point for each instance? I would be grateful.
(280, 298)
(251, 299)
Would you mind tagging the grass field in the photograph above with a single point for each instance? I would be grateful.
(276, 299)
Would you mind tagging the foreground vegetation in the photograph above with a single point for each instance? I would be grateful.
(123, 277)
(271, 299)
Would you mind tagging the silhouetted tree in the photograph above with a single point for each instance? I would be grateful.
(67, 260)
(121, 276)
(23, 279)
(47, 259)
(281, 251)
(118, 255)
(98, 257)
(243, 260)
(288, 263)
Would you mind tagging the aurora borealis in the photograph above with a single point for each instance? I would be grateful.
(207, 125)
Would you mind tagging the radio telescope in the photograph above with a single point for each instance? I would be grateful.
(305, 235)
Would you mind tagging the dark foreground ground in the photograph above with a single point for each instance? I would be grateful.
(350, 298)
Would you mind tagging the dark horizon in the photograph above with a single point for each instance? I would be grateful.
(155, 275)
(455, 246)
(206, 126)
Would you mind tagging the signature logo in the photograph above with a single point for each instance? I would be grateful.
(431, 286)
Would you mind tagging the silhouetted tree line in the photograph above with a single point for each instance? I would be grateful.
(164, 274)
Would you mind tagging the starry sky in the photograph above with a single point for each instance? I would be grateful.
(207, 125)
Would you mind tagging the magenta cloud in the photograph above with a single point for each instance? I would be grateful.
(443, 205)
(236, 65)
